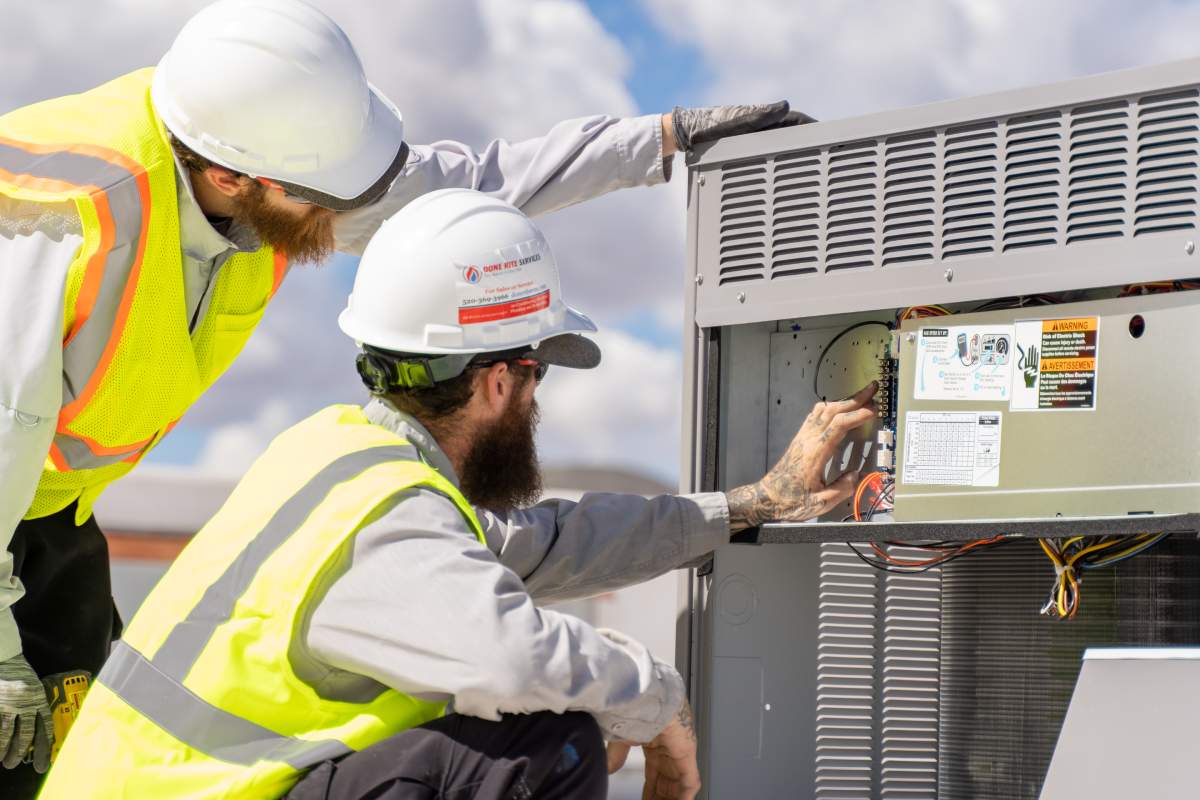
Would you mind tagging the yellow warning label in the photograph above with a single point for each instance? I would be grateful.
(1080, 324)
(1068, 364)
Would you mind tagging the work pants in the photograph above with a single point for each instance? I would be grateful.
(66, 617)
(541, 756)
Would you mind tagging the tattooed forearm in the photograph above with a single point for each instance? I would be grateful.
(748, 506)
(686, 721)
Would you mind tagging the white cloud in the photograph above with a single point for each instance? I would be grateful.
(837, 58)
(625, 412)
(231, 449)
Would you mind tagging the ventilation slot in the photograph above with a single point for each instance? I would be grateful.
(909, 168)
(851, 206)
(969, 190)
(795, 215)
(910, 657)
(1098, 173)
(743, 242)
(1032, 180)
(845, 675)
(1166, 163)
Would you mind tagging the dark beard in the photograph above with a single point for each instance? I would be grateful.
(501, 472)
(305, 239)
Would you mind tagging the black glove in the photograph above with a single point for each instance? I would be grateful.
(693, 126)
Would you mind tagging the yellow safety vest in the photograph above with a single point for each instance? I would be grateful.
(131, 368)
(201, 698)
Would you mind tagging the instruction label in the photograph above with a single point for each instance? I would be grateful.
(952, 448)
(503, 284)
(964, 362)
(1056, 364)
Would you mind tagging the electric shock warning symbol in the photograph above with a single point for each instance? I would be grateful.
(1057, 364)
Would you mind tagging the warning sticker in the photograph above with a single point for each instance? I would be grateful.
(1056, 364)
(952, 448)
(504, 284)
(964, 362)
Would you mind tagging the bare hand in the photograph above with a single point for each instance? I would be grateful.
(671, 769)
(795, 489)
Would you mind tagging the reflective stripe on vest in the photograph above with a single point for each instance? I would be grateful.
(120, 191)
(155, 686)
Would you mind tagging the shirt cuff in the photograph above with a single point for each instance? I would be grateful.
(640, 720)
(706, 521)
(642, 147)
(10, 637)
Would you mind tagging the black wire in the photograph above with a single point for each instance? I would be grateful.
(899, 570)
(825, 352)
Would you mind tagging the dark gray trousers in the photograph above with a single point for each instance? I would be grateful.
(522, 757)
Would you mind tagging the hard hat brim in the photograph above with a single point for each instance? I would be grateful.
(567, 350)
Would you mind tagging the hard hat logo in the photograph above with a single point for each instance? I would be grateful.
(472, 275)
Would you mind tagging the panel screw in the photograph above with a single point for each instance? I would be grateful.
(910, 338)
(1189, 248)
(700, 180)
(699, 279)
(741, 296)
(948, 275)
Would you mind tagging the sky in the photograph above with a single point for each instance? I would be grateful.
(475, 70)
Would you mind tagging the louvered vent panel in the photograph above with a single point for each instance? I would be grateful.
(911, 623)
(1033, 170)
(796, 214)
(845, 676)
(851, 206)
(1167, 158)
(1098, 172)
(909, 185)
(969, 190)
(743, 241)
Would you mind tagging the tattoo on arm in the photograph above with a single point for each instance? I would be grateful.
(686, 721)
(780, 495)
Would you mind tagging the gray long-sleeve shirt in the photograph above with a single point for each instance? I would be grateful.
(415, 602)
(577, 160)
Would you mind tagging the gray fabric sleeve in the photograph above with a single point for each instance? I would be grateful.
(36, 248)
(421, 606)
(578, 159)
(565, 550)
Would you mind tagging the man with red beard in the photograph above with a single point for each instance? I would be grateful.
(145, 225)
(378, 563)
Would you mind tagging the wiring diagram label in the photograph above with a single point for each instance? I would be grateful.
(964, 362)
(1056, 364)
(952, 448)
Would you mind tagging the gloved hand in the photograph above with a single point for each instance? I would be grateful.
(693, 126)
(24, 716)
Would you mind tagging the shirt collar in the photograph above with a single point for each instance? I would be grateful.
(199, 239)
(381, 412)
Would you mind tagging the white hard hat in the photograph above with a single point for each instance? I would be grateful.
(456, 272)
(274, 89)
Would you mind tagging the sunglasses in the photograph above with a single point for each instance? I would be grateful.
(540, 368)
(270, 184)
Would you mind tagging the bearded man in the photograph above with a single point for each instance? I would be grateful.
(144, 227)
(376, 564)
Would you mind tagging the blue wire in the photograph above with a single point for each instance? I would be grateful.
(1137, 552)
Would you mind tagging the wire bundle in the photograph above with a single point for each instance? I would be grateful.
(1071, 556)
(1157, 287)
(923, 311)
(939, 553)
(883, 488)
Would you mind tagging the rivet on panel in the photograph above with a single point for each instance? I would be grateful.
(700, 179)
(699, 279)
(1189, 248)
(741, 297)
(948, 275)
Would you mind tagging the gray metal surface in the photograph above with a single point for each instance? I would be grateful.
(966, 530)
(1086, 183)
(1129, 731)
(1136, 452)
